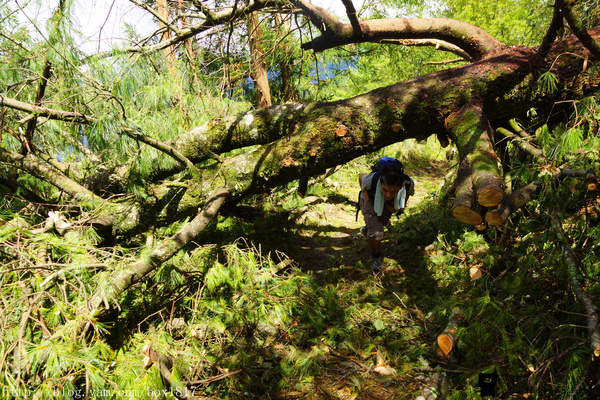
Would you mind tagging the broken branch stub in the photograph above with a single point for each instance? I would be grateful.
(446, 342)
(516, 200)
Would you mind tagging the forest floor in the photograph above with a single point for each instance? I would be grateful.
(327, 237)
(391, 360)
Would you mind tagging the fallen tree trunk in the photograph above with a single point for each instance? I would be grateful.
(306, 140)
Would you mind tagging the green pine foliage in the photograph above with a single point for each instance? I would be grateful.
(231, 311)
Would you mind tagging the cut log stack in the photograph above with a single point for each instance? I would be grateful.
(479, 184)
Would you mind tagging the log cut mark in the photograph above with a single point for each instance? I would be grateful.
(447, 340)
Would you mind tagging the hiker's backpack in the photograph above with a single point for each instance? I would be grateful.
(382, 165)
(385, 164)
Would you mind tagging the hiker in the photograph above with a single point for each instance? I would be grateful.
(383, 192)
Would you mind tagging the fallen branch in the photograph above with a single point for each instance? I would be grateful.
(85, 197)
(165, 148)
(522, 143)
(512, 203)
(123, 280)
(43, 111)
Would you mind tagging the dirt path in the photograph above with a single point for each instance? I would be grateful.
(326, 232)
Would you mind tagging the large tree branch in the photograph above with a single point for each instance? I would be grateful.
(567, 7)
(473, 40)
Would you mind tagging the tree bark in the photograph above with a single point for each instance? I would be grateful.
(257, 59)
(463, 203)
(479, 175)
(513, 202)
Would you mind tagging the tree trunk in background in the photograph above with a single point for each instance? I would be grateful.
(163, 10)
(188, 42)
(259, 71)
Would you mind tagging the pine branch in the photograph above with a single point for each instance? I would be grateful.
(163, 147)
(82, 118)
(123, 280)
(44, 111)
